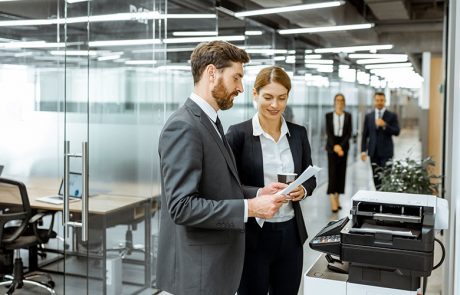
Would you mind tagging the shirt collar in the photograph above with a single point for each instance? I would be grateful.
(336, 115)
(205, 106)
(257, 129)
(382, 110)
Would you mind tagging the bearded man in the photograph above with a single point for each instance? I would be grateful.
(204, 207)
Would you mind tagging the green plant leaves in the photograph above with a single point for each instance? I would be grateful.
(409, 176)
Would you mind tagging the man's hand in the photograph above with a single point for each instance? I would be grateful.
(265, 206)
(272, 188)
(338, 150)
(297, 194)
(363, 156)
(380, 123)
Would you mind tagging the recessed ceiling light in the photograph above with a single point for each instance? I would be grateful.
(390, 65)
(376, 55)
(354, 48)
(195, 33)
(319, 61)
(381, 60)
(203, 39)
(253, 33)
(326, 29)
(289, 8)
(141, 62)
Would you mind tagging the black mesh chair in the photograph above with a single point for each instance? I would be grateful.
(23, 234)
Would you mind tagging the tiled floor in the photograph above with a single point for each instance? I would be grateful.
(317, 213)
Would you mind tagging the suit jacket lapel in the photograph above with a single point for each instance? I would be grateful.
(229, 158)
(296, 154)
(258, 159)
(372, 121)
(204, 119)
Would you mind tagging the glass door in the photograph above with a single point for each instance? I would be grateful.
(76, 206)
(111, 118)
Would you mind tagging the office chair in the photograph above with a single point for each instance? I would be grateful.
(128, 247)
(24, 236)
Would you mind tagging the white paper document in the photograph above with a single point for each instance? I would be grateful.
(309, 172)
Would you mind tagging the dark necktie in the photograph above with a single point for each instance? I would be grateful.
(227, 146)
(221, 132)
(380, 114)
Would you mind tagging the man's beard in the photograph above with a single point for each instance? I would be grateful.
(222, 96)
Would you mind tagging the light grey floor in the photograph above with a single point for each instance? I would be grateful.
(316, 211)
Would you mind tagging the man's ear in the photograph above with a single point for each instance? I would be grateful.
(211, 72)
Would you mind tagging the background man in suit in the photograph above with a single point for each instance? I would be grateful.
(204, 205)
(379, 127)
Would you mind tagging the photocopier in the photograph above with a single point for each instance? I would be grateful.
(386, 246)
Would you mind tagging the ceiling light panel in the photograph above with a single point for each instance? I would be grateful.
(194, 33)
(380, 60)
(390, 65)
(289, 8)
(203, 39)
(123, 42)
(376, 55)
(325, 29)
(129, 16)
(354, 48)
(141, 62)
(253, 33)
(320, 61)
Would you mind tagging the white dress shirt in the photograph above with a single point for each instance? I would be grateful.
(382, 111)
(212, 115)
(277, 157)
(338, 124)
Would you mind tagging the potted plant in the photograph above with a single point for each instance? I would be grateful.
(409, 176)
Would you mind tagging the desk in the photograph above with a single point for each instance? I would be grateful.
(105, 210)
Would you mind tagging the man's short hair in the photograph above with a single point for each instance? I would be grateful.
(379, 93)
(218, 53)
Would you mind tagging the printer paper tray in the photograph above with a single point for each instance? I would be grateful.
(379, 229)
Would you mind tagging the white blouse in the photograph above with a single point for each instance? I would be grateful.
(277, 157)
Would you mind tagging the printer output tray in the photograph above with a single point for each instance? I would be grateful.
(379, 236)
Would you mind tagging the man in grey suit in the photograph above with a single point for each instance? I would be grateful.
(204, 205)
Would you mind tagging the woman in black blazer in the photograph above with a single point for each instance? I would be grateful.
(338, 130)
(264, 146)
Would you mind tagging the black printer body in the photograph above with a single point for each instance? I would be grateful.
(388, 242)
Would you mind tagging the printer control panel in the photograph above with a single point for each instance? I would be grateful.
(326, 239)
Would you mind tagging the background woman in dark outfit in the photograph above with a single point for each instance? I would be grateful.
(263, 147)
(338, 129)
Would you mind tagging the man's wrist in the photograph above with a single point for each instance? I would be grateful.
(246, 210)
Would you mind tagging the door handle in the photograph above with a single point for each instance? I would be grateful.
(85, 189)
(85, 192)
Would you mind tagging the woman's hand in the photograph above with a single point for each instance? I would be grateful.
(297, 194)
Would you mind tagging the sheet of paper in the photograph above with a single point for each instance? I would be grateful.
(309, 172)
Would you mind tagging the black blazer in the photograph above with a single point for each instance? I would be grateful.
(378, 141)
(346, 132)
(249, 160)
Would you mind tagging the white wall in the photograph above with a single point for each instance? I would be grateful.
(452, 158)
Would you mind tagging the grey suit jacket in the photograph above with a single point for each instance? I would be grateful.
(201, 242)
